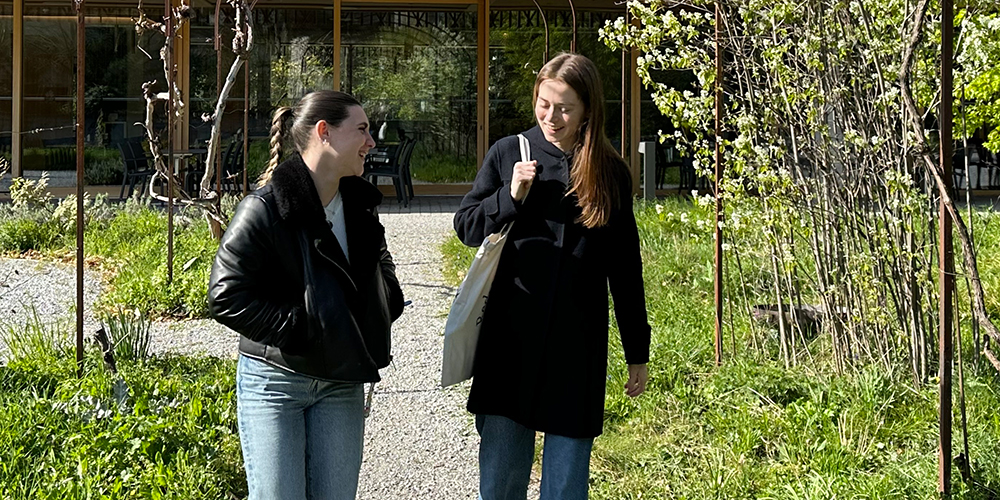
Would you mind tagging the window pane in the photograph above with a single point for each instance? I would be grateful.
(6, 76)
(415, 73)
(517, 52)
(291, 56)
(49, 88)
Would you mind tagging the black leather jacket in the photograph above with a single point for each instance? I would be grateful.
(281, 280)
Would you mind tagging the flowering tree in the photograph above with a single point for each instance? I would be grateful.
(831, 180)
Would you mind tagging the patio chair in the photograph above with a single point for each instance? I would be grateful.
(232, 165)
(393, 162)
(135, 164)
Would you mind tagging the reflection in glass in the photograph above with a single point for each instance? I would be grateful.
(517, 48)
(49, 88)
(415, 73)
(115, 70)
(291, 56)
(6, 76)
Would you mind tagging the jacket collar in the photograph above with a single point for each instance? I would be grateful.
(537, 140)
(296, 197)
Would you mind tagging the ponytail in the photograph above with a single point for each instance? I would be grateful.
(297, 122)
(277, 131)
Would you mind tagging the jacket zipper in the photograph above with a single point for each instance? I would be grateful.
(316, 243)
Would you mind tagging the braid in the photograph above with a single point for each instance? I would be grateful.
(277, 130)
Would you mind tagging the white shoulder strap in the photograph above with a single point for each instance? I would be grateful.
(525, 156)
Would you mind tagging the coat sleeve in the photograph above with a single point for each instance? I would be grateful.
(627, 291)
(488, 206)
(391, 282)
(238, 295)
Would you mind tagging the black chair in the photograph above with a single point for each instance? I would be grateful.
(393, 162)
(404, 165)
(232, 165)
(135, 164)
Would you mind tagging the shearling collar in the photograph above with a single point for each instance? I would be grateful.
(295, 192)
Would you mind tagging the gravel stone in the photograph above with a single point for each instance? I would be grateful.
(48, 289)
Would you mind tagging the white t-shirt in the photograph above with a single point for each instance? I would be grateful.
(335, 216)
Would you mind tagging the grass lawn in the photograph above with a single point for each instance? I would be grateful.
(753, 429)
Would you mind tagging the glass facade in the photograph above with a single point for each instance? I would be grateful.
(291, 56)
(415, 72)
(517, 53)
(49, 89)
(413, 66)
(6, 76)
(116, 68)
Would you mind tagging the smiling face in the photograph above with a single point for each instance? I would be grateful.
(559, 112)
(349, 142)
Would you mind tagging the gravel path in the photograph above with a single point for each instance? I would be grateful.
(420, 443)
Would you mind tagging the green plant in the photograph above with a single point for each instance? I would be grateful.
(35, 339)
(133, 244)
(457, 259)
(30, 193)
(258, 156)
(24, 234)
(442, 168)
(129, 333)
(64, 437)
(104, 172)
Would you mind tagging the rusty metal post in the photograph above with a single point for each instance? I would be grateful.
(541, 13)
(572, 10)
(169, 18)
(946, 256)
(218, 94)
(246, 122)
(719, 215)
(625, 71)
(81, 57)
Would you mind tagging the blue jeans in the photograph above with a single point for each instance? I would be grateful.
(506, 450)
(301, 437)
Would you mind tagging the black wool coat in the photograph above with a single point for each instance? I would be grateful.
(281, 280)
(543, 348)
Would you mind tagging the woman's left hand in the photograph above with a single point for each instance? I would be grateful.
(637, 376)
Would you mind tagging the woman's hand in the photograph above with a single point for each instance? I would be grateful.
(637, 376)
(524, 173)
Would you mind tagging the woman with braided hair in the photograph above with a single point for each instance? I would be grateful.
(304, 275)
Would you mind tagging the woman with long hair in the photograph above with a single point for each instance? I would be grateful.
(541, 361)
(304, 275)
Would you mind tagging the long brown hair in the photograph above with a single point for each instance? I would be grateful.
(298, 121)
(598, 171)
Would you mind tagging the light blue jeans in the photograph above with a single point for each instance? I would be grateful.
(506, 450)
(301, 437)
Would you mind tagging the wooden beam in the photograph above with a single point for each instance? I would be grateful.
(17, 96)
(424, 2)
(482, 82)
(337, 6)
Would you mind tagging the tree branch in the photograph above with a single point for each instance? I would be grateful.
(968, 252)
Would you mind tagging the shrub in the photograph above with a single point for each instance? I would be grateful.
(30, 193)
(104, 172)
(27, 233)
(129, 334)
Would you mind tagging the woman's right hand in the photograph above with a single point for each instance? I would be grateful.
(524, 173)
